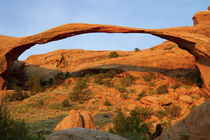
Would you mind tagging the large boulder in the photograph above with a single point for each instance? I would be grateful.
(83, 134)
(81, 119)
(196, 126)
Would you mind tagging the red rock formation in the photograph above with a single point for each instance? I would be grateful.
(82, 119)
(194, 39)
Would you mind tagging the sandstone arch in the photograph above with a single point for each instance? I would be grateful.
(195, 39)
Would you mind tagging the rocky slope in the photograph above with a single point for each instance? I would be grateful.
(145, 60)
(194, 127)
(194, 39)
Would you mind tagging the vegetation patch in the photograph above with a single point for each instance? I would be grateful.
(113, 55)
(148, 77)
(131, 127)
(127, 81)
(162, 89)
(11, 129)
(107, 103)
(141, 94)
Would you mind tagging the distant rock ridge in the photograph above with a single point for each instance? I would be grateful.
(194, 39)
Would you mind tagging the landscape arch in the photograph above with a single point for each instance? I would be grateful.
(194, 39)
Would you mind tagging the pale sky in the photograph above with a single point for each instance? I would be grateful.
(27, 17)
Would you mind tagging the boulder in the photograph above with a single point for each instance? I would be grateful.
(165, 100)
(196, 126)
(150, 100)
(81, 119)
(83, 134)
(186, 99)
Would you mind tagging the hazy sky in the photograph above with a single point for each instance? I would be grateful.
(26, 17)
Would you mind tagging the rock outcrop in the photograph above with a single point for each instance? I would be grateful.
(81, 119)
(83, 134)
(195, 126)
(195, 39)
(179, 61)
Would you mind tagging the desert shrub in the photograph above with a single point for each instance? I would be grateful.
(102, 118)
(151, 92)
(124, 96)
(175, 86)
(110, 74)
(81, 84)
(33, 84)
(18, 95)
(136, 49)
(108, 83)
(141, 94)
(144, 112)
(65, 103)
(59, 78)
(122, 89)
(162, 89)
(55, 106)
(99, 79)
(79, 95)
(186, 87)
(74, 95)
(175, 111)
(14, 129)
(151, 84)
(107, 103)
(148, 77)
(41, 103)
(161, 113)
(127, 81)
(113, 55)
(131, 127)
(132, 91)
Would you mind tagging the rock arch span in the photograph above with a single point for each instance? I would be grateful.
(195, 39)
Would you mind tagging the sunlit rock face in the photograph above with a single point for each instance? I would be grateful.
(195, 39)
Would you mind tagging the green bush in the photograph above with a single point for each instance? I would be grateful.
(14, 129)
(41, 103)
(151, 92)
(141, 94)
(65, 103)
(107, 103)
(75, 95)
(175, 86)
(124, 96)
(136, 49)
(131, 127)
(162, 89)
(81, 84)
(113, 55)
(121, 89)
(161, 113)
(18, 95)
(33, 84)
(127, 81)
